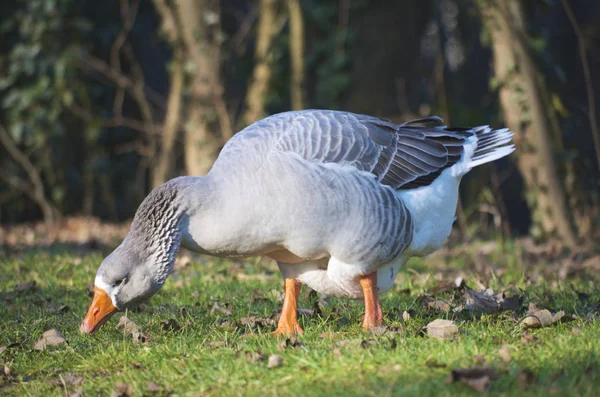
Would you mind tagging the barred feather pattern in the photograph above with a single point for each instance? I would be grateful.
(402, 156)
(155, 226)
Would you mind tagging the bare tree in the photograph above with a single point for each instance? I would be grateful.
(522, 96)
(296, 53)
(33, 187)
(259, 86)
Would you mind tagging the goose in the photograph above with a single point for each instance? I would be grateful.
(339, 200)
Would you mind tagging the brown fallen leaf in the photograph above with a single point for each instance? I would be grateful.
(275, 361)
(439, 305)
(504, 353)
(69, 379)
(253, 321)
(537, 318)
(250, 356)
(223, 309)
(405, 316)
(77, 393)
(441, 329)
(26, 286)
(528, 338)
(574, 331)
(51, 337)
(292, 342)
(170, 325)
(512, 303)
(152, 387)
(378, 330)
(63, 309)
(481, 302)
(6, 371)
(129, 327)
(122, 390)
(2, 349)
(476, 377)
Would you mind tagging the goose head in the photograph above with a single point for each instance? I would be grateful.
(140, 265)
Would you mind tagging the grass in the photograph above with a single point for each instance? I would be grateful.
(215, 354)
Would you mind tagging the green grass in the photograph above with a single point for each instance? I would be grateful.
(195, 361)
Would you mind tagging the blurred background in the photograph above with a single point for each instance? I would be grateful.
(100, 101)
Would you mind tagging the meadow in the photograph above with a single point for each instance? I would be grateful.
(207, 333)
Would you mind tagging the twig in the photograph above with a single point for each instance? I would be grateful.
(117, 121)
(120, 79)
(37, 192)
(587, 74)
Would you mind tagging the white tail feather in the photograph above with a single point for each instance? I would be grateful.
(491, 145)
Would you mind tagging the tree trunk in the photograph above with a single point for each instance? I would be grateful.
(195, 25)
(522, 98)
(257, 92)
(296, 54)
(166, 157)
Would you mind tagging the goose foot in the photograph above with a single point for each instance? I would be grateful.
(373, 313)
(288, 322)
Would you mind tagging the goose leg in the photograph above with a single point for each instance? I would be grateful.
(373, 314)
(288, 322)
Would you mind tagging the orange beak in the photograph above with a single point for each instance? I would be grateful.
(99, 312)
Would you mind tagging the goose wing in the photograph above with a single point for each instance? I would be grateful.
(402, 156)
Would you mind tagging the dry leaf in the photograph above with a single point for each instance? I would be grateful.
(6, 371)
(69, 379)
(131, 328)
(51, 337)
(224, 309)
(2, 349)
(253, 357)
(504, 353)
(253, 321)
(26, 286)
(541, 317)
(528, 338)
(77, 393)
(405, 316)
(122, 390)
(152, 387)
(441, 329)
(275, 361)
(513, 303)
(170, 325)
(289, 342)
(378, 330)
(574, 331)
(439, 305)
(481, 302)
(476, 377)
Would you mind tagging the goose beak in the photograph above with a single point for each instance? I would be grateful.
(99, 312)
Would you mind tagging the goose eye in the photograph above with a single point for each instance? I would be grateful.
(118, 282)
